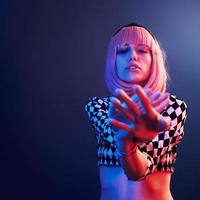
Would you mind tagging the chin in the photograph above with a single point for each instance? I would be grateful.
(138, 82)
(133, 81)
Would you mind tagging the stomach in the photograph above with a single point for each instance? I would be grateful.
(116, 186)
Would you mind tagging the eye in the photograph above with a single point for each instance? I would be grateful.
(122, 49)
(143, 50)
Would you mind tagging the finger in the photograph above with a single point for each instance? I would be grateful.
(164, 124)
(161, 99)
(120, 125)
(124, 111)
(155, 96)
(131, 104)
(111, 109)
(136, 99)
(162, 106)
(144, 100)
(148, 91)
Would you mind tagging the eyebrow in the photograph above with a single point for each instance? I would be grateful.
(140, 45)
(143, 45)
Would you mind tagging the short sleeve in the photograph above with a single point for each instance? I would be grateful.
(177, 112)
(96, 109)
(97, 113)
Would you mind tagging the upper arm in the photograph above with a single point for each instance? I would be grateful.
(97, 113)
(177, 112)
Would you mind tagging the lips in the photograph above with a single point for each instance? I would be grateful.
(133, 67)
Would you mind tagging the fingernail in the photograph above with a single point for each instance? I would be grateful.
(117, 91)
(111, 121)
(147, 90)
(135, 87)
(111, 99)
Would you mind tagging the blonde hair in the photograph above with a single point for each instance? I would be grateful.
(129, 34)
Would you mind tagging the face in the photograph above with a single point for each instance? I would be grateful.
(133, 63)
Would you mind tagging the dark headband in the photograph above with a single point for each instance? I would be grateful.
(134, 24)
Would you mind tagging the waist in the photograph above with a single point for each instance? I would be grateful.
(115, 185)
(156, 186)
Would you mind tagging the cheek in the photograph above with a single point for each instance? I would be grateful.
(150, 59)
(120, 63)
(118, 66)
(147, 60)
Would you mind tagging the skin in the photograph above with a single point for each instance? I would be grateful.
(133, 63)
(144, 120)
(117, 186)
(136, 119)
(155, 186)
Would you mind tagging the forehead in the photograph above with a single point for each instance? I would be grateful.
(133, 35)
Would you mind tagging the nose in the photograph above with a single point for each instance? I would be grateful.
(133, 55)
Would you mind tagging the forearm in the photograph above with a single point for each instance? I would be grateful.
(133, 161)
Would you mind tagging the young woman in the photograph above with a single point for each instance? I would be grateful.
(139, 126)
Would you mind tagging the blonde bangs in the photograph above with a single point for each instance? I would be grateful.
(135, 35)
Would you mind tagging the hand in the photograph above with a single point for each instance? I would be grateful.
(139, 116)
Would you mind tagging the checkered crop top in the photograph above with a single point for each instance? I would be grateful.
(161, 151)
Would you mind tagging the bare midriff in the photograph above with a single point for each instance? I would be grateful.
(116, 186)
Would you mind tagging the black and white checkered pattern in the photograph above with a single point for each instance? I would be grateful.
(161, 151)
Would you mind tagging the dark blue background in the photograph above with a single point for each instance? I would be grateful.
(52, 61)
